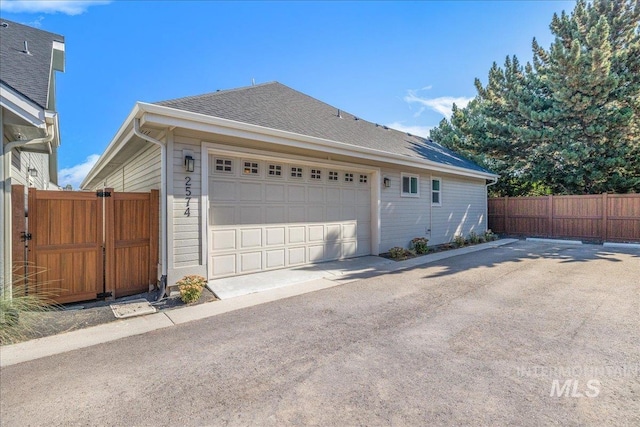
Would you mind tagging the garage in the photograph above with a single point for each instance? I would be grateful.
(268, 213)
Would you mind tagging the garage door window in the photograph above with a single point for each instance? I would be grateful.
(296, 172)
(275, 171)
(316, 174)
(348, 177)
(251, 168)
(333, 176)
(224, 165)
(364, 179)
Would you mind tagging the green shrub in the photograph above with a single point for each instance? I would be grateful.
(419, 244)
(399, 253)
(490, 236)
(191, 288)
(474, 238)
(459, 240)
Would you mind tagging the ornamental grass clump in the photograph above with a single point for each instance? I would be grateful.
(191, 288)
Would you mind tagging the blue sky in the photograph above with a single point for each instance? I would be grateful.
(396, 63)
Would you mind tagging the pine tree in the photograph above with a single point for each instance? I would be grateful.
(568, 123)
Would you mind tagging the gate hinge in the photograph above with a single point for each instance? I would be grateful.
(103, 295)
(25, 236)
(103, 193)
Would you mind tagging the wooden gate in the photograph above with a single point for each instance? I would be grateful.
(88, 245)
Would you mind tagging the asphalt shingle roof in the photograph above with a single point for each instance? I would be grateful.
(24, 73)
(277, 106)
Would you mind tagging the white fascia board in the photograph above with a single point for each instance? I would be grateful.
(179, 118)
(22, 107)
(116, 144)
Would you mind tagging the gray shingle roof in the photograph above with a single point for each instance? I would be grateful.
(277, 106)
(26, 74)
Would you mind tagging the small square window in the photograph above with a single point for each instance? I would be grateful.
(224, 165)
(333, 176)
(348, 177)
(250, 168)
(316, 174)
(275, 170)
(364, 179)
(296, 172)
(410, 185)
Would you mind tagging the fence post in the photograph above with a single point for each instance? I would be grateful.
(605, 209)
(18, 248)
(550, 215)
(109, 244)
(154, 231)
(506, 215)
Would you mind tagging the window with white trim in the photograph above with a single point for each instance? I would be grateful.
(250, 168)
(410, 185)
(296, 172)
(275, 170)
(436, 192)
(333, 176)
(364, 179)
(348, 177)
(316, 174)
(223, 165)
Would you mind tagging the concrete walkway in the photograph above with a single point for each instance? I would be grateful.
(249, 293)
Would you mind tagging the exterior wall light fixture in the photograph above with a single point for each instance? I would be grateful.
(387, 182)
(189, 163)
(33, 172)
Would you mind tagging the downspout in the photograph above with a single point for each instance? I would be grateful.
(6, 290)
(163, 202)
(486, 205)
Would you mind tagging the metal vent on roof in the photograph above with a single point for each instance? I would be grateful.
(26, 48)
(4, 24)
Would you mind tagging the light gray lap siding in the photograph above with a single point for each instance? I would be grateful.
(140, 174)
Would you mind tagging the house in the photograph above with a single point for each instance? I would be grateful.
(28, 118)
(266, 177)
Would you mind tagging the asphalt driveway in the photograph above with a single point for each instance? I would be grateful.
(524, 334)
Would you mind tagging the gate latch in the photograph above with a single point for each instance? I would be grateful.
(25, 236)
(103, 193)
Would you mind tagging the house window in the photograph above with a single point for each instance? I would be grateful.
(436, 190)
(333, 176)
(410, 185)
(364, 179)
(348, 177)
(296, 172)
(316, 174)
(224, 165)
(250, 168)
(275, 170)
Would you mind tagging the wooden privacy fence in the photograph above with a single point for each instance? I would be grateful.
(600, 217)
(77, 246)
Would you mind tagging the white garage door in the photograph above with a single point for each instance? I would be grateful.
(265, 215)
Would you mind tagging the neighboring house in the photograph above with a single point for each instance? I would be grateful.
(29, 59)
(265, 177)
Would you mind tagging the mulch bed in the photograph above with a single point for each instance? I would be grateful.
(432, 250)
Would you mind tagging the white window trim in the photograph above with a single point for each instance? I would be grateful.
(282, 171)
(224, 159)
(259, 167)
(409, 175)
(435, 178)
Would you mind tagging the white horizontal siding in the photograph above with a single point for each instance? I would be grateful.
(463, 209)
(140, 174)
(186, 228)
(22, 161)
(402, 218)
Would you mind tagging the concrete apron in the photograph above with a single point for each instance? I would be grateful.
(341, 270)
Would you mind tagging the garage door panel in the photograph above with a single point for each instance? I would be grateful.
(250, 238)
(250, 215)
(222, 240)
(261, 221)
(222, 215)
(222, 191)
(274, 192)
(297, 213)
(222, 265)
(275, 236)
(297, 256)
(316, 253)
(250, 262)
(275, 258)
(275, 215)
(296, 194)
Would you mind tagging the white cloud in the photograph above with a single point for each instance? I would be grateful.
(69, 7)
(441, 105)
(36, 23)
(75, 174)
(422, 131)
